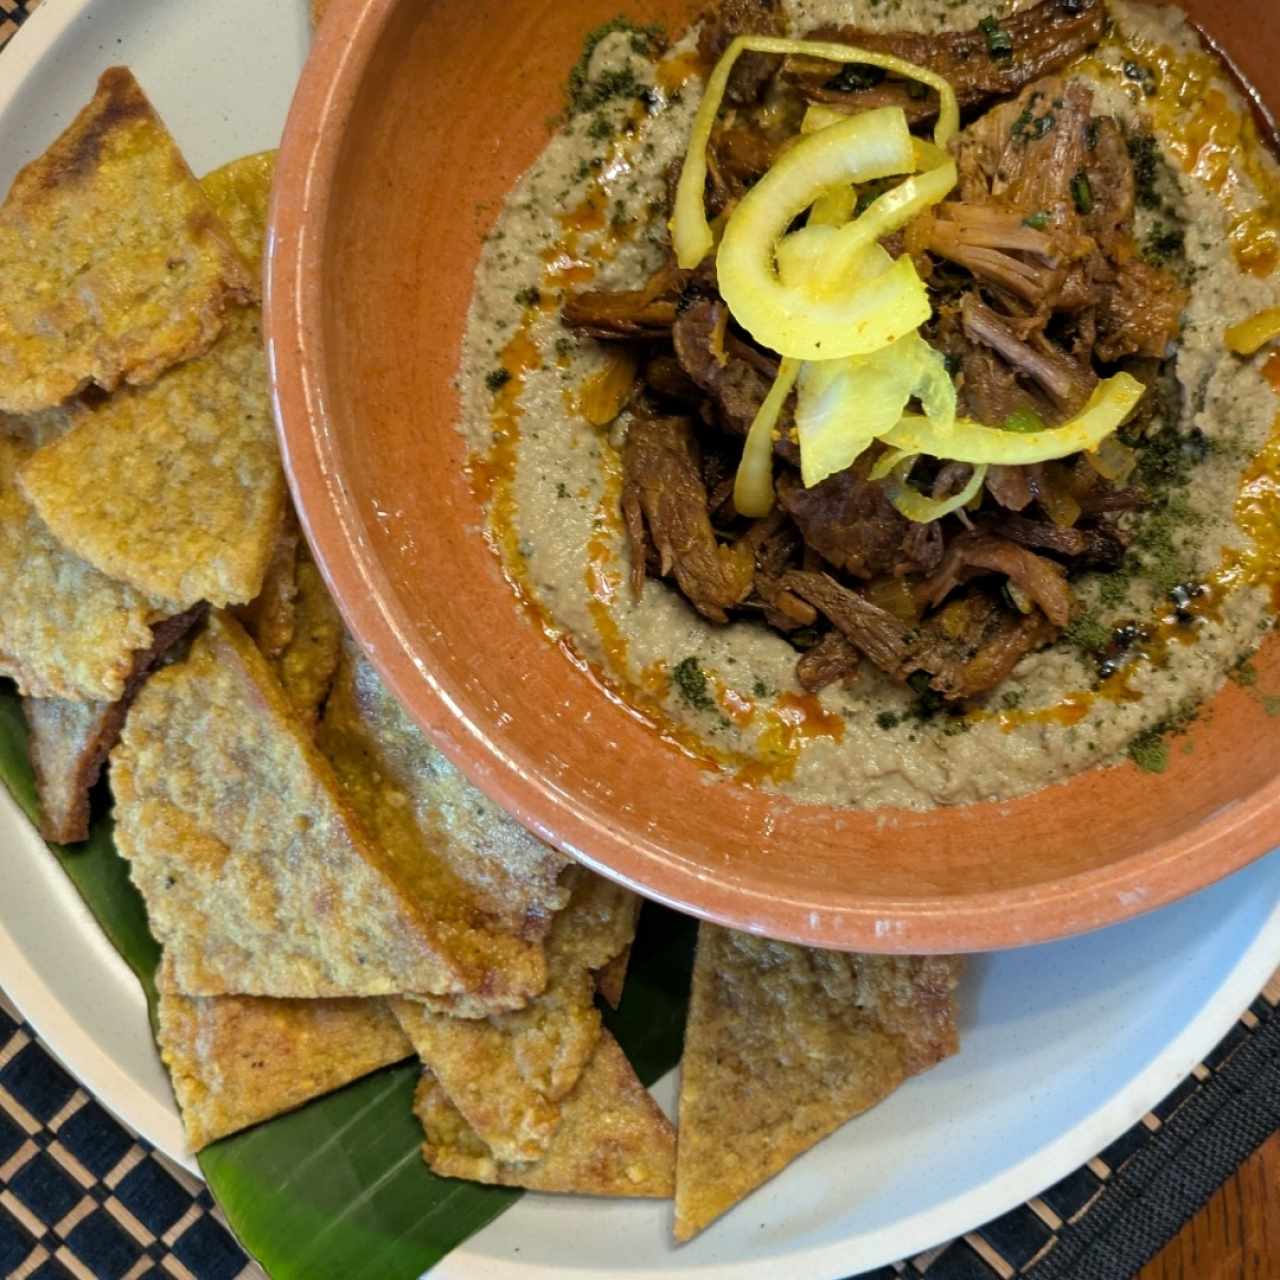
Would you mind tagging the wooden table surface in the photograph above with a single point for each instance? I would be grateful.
(1236, 1236)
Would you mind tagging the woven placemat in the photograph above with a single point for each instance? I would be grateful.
(83, 1196)
(12, 14)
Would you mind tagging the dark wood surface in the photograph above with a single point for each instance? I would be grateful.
(1236, 1236)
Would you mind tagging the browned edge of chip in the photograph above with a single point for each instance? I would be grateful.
(63, 785)
(612, 977)
(270, 617)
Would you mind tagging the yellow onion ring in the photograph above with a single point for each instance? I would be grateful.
(753, 485)
(1112, 402)
(690, 234)
(921, 509)
(843, 405)
(844, 317)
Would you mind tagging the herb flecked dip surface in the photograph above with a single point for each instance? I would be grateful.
(1150, 642)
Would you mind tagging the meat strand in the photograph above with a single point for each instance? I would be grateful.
(832, 658)
(1067, 384)
(848, 520)
(664, 497)
(1011, 487)
(736, 386)
(1102, 547)
(1141, 313)
(733, 18)
(965, 655)
(973, 554)
(1043, 38)
(1000, 650)
(888, 642)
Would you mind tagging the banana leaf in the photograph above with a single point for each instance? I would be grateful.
(338, 1189)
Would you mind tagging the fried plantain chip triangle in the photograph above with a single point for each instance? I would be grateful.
(240, 192)
(507, 1073)
(783, 1044)
(257, 877)
(238, 1060)
(113, 265)
(68, 741)
(613, 1139)
(175, 488)
(66, 629)
(458, 848)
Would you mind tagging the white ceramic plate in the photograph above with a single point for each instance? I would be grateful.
(1065, 1046)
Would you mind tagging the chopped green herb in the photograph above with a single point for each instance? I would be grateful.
(1149, 751)
(529, 297)
(691, 681)
(1029, 127)
(1088, 634)
(1167, 459)
(1113, 590)
(1245, 674)
(562, 489)
(999, 41)
(1037, 221)
(760, 689)
(1164, 243)
(496, 379)
(1082, 192)
(1157, 545)
(1012, 699)
(564, 346)
(1144, 152)
(600, 130)
(585, 94)
(888, 720)
(1024, 422)
(928, 701)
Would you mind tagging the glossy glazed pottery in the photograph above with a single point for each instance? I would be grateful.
(411, 122)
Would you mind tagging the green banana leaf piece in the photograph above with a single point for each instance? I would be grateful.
(337, 1190)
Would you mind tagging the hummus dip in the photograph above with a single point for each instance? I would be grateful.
(1197, 585)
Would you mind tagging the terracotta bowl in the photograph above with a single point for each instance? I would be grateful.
(410, 124)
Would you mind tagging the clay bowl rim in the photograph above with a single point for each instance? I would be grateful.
(1229, 839)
